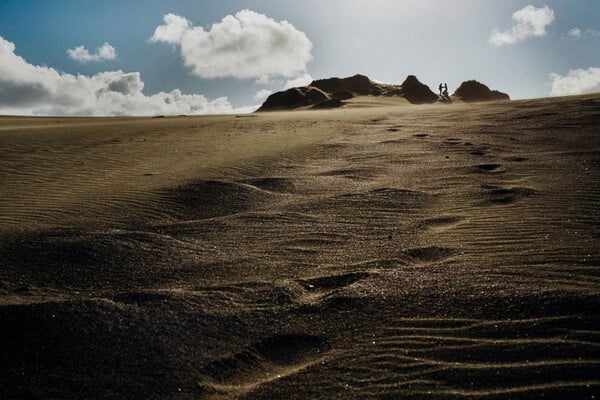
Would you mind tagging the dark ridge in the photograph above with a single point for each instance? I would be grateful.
(472, 91)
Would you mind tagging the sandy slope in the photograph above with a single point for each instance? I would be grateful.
(378, 251)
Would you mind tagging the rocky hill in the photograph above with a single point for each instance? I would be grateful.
(332, 92)
(473, 91)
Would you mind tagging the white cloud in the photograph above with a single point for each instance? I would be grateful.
(247, 45)
(302, 80)
(27, 89)
(577, 81)
(104, 52)
(262, 94)
(173, 29)
(531, 22)
(575, 33)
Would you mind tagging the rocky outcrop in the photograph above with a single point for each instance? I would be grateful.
(473, 91)
(331, 92)
(295, 98)
(417, 92)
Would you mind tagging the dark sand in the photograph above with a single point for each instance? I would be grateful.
(379, 251)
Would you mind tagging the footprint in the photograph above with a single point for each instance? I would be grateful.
(262, 362)
(333, 281)
(515, 159)
(452, 141)
(487, 167)
(502, 196)
(441, 223)
(325, 292)
(429, 254)
(376, 121)
(391, 141)
(214, 198)
(477, 153)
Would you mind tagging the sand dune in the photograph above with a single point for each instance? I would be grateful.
(380, 250)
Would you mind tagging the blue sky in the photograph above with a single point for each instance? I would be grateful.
(554, 48)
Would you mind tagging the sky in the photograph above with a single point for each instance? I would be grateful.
(171, 57)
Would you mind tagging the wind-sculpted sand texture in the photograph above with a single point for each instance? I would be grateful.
(373, 251)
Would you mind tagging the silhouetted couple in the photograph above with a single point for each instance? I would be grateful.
(444, 91)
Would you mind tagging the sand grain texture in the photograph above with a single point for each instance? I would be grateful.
(381, 250)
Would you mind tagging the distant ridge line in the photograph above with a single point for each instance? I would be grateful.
(332, 92)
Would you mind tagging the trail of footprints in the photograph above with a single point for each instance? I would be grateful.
(494, 194)
(416, 354)
(282, 355)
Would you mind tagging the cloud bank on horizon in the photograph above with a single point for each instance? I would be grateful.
(39, 90)
(576, 81)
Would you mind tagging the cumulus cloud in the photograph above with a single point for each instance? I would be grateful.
(247, 45)
(27, 89)
(576, 81)
(531, 22)
(104, 52)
